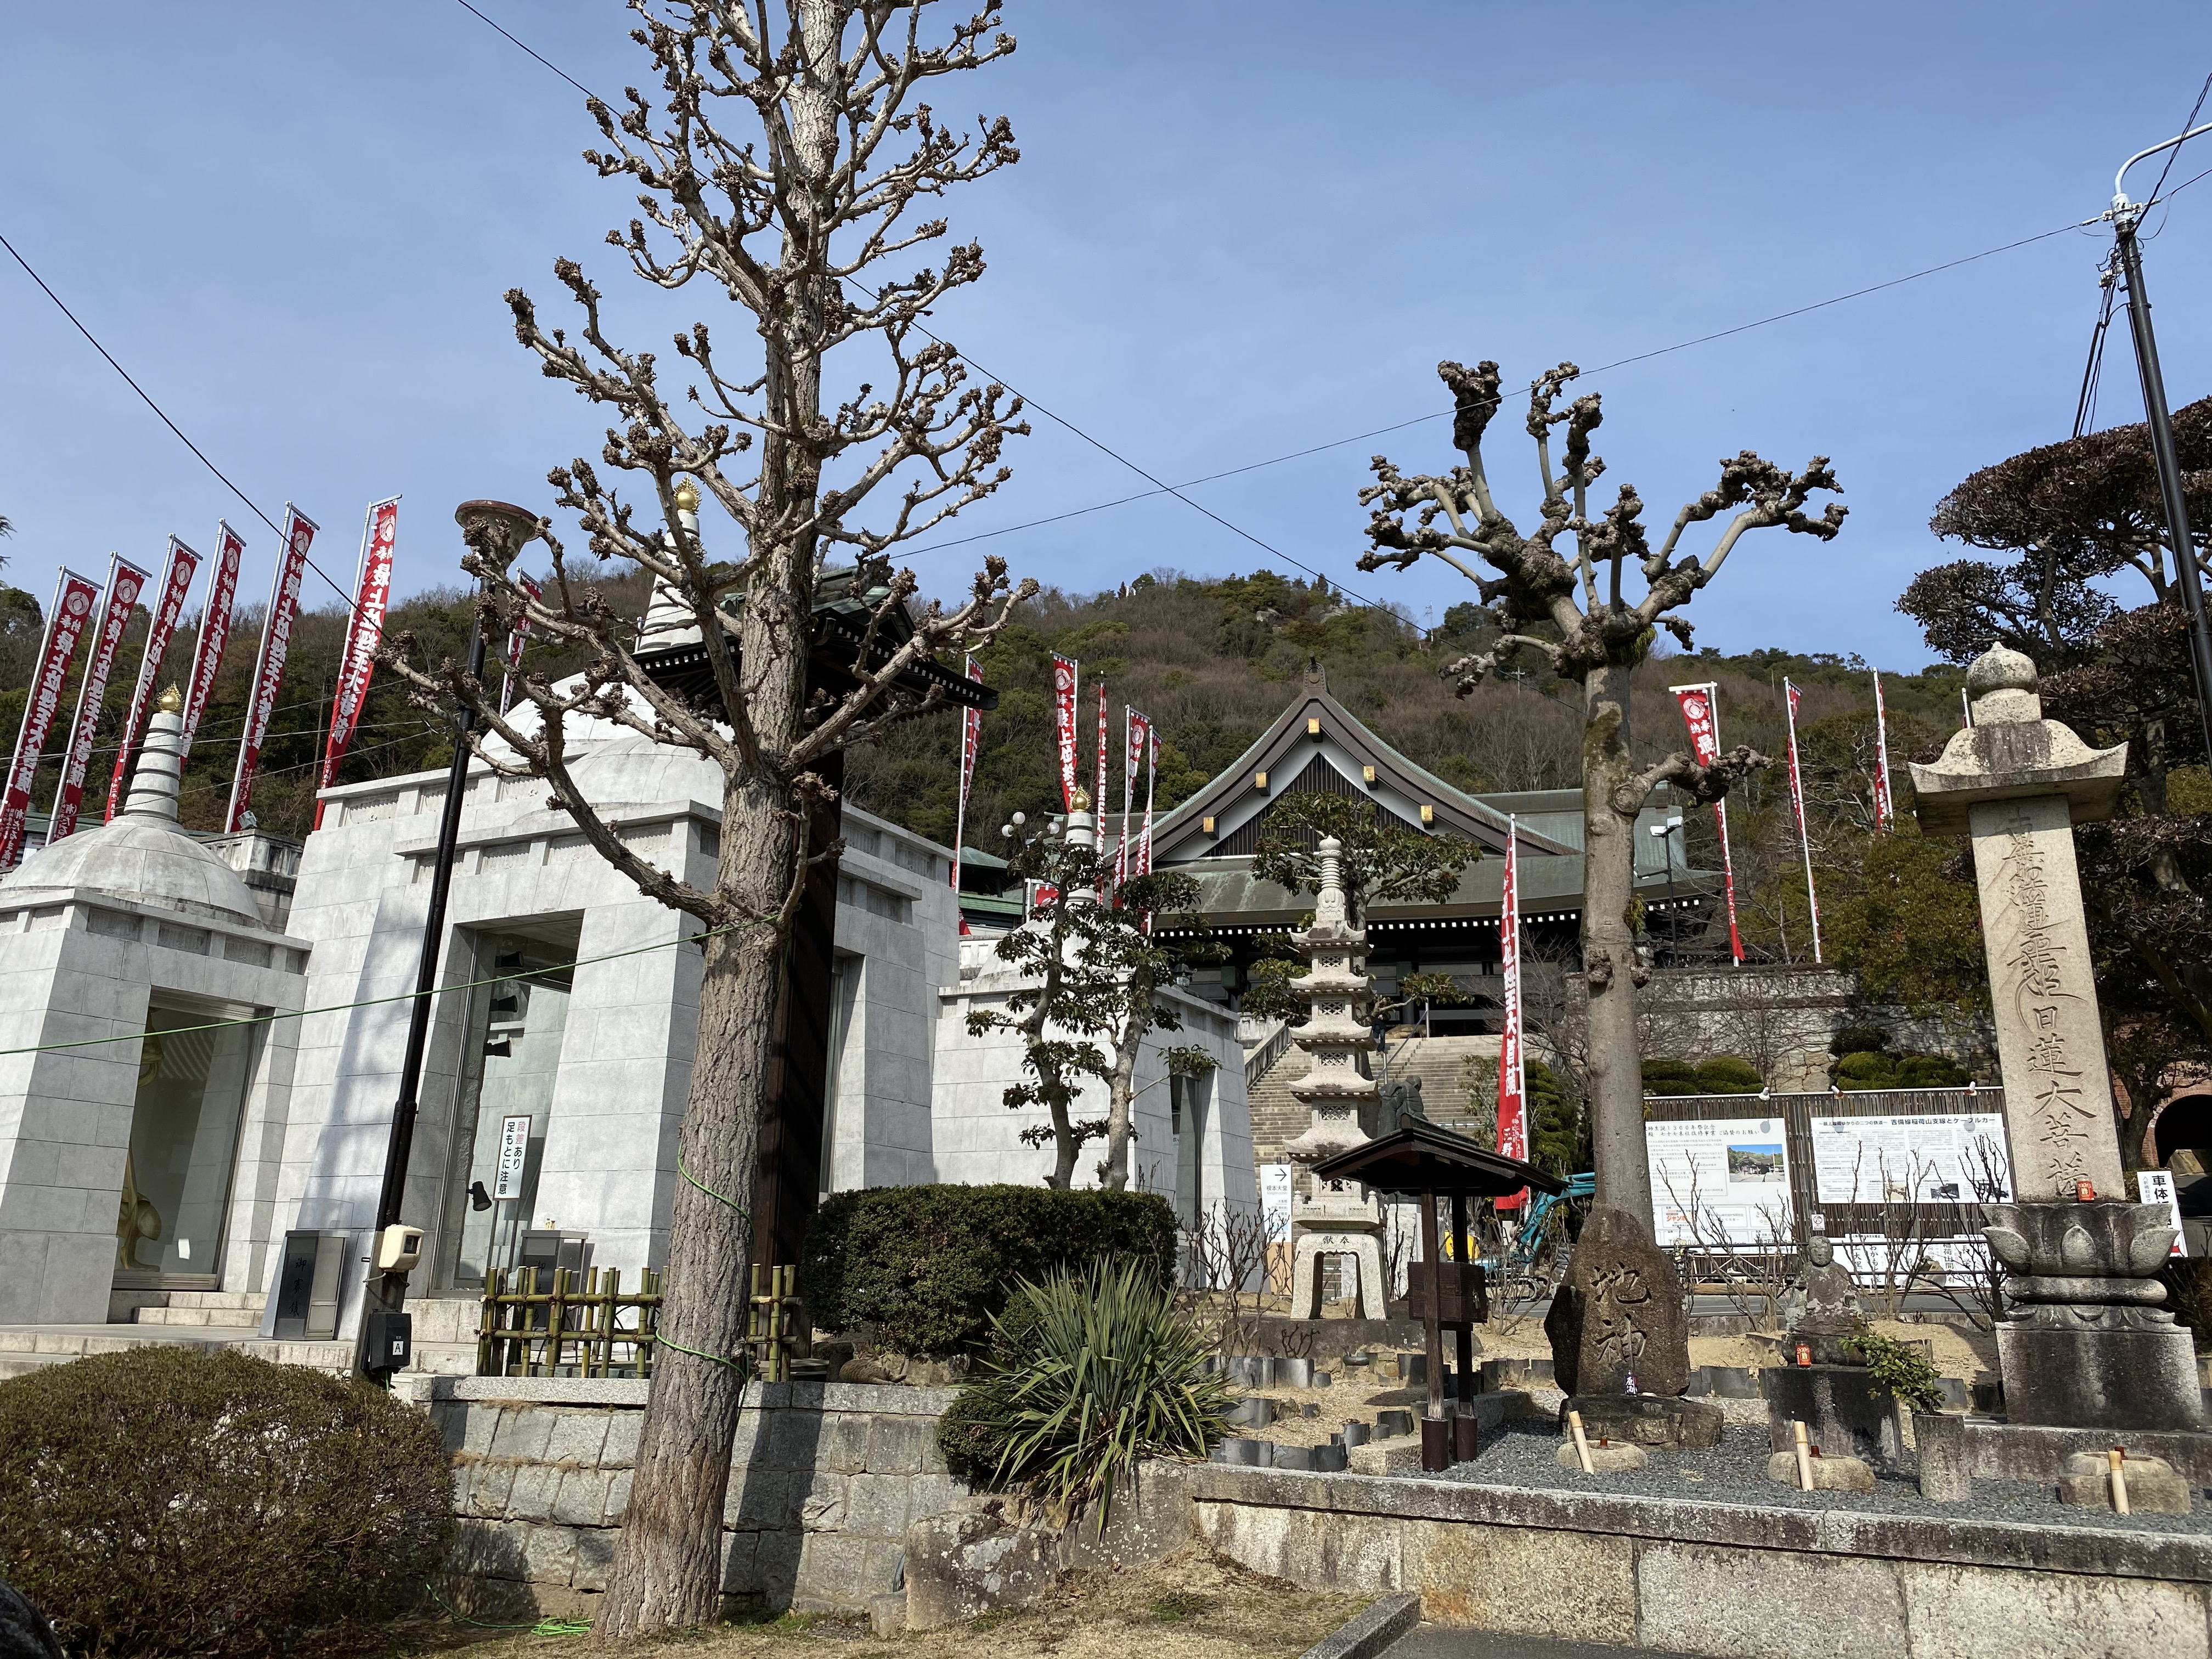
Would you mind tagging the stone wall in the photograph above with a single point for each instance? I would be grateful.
(1730, 1581)
(826, 1479)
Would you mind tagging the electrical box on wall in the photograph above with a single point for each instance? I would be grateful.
(389, 1342)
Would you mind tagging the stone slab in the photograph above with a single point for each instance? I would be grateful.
(1693, 1598)
(1644, 1420)
(1845, 1473)
(1618, 1312)
(1844, 1411)
(2096, 1379)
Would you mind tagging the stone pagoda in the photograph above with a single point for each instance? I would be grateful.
(1330, 1217)
(2086, 1343)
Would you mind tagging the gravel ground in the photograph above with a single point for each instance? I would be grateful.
(1735, 1472)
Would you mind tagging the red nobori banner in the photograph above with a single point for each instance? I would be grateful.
(1152, 777)
(1135, 729)
(971, 740)
(1512, 1074)
(168, 606)
(1884, 807)
(1063, 714)
(520, 632)
(1699, 715)
(1798, 800)
(378, 538)
(269, 671)
(215, 625)
(74, 599)
(125, 581)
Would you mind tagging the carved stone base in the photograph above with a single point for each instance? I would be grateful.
(1305, 1272)
(2099, 1379)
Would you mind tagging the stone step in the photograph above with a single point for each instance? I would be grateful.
(237, 1301)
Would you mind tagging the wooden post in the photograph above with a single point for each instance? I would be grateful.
(1434, 1324)
(1464, 1335)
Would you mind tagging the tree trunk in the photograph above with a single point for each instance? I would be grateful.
(1122, 1087)
(1616, 1073)
(668, 1565)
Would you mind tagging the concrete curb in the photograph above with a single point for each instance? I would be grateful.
(1372, 1632)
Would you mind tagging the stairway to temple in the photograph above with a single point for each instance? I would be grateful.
(1278, 1119)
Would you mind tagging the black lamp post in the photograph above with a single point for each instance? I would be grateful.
(496, 530)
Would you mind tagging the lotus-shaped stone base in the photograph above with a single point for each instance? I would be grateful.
(2083, 1266)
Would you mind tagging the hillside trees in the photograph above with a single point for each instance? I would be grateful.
(778, 167)
(2068, 512)
(1571, 614)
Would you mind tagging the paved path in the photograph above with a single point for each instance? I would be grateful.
(1442, 1641)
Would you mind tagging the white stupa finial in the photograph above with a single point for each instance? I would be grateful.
(154, 783)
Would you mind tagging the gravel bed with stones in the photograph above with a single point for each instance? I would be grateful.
(1735, 1472)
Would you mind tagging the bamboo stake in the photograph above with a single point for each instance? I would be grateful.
(1582, 1442)
(1804, 1457)
(2117, 1458)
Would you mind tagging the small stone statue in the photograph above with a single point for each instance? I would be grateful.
(1822, 1306)
(1400, 1104)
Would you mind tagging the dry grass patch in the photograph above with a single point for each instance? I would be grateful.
(1193, 1605)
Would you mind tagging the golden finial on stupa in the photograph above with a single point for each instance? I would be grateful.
(686, 496)
(1082, 801)
(170, 702)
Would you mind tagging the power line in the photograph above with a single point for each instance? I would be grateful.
(1161, 487)
(145, 396)
(2173, 154)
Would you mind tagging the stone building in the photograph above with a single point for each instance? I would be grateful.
(562, 1037)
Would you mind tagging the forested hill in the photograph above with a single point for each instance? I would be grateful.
(1212, 661)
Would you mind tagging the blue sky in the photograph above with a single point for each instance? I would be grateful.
(1237, 230)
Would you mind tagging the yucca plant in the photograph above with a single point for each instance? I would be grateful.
(1089, 1372)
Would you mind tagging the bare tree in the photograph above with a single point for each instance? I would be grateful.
(1572, 613)
(789, 220)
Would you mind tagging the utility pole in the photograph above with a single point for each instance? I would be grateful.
(2126, 217)
(496, 530)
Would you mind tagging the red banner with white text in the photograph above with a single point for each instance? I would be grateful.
(517, 634)
(1134, 728)
(1512, 1072)
(168, 606)
(971, 740)
(124, 582)
(75, 599)
(1063, 720)
(1797, 801)
(269, 670)
(1702, 718)
(1099, 798)
(378, 537)
(214, 626)
(1884, 807)
(1152, 740)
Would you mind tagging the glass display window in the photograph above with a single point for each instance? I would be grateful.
(192, 1084)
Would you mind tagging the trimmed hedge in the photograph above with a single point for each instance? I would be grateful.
(166, 1500)
(930, 1267)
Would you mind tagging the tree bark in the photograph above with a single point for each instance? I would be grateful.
(1609, 964)
(1121, 1086)
(668, 1565)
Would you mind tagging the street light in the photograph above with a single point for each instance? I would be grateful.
(2126, 215)
(496, 531)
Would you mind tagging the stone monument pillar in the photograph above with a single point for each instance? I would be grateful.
(1332, 1218)
(2086, 1344)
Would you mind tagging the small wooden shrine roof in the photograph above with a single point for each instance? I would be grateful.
(1422, 1158)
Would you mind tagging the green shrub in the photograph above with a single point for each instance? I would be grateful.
(167, 1500)
(2188, 1281)
(1089, 1374)
(930, 1267)
(1868, 1070)
(1859, 1039)
(1730, 1074)
(1903, 1370)
(1670, 1077)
